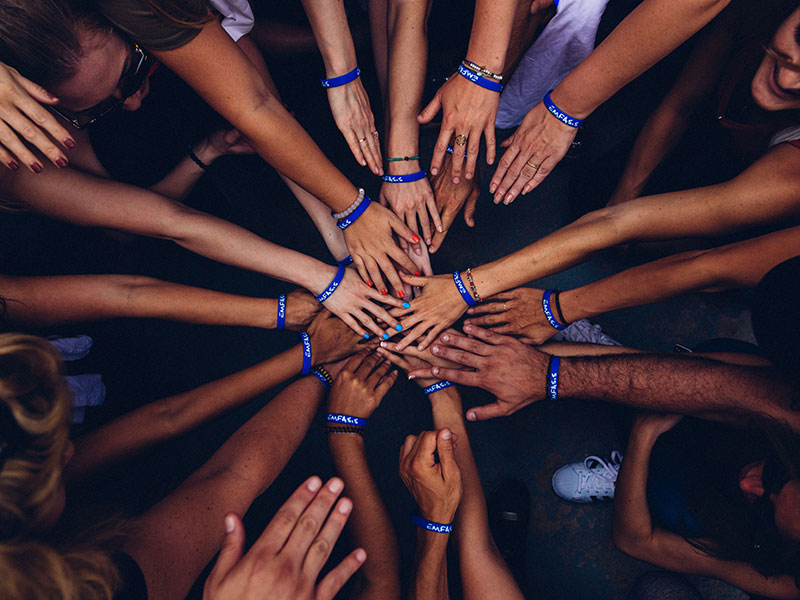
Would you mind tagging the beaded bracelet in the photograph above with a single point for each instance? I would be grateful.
(431, 525)
(403, 158)
(341, 79)
(552, 377)
(306, 341)
(560, 114)
(405, 178)
(481, 70)
(449, 150)
(359, 199)
(349, 220)
(343, 429)
(489, 84)
(190, 153)
(472, 287)
(437, 387)
(281, 312)
(333, 285)
(462, 290)
(548, 312)
(345, 420)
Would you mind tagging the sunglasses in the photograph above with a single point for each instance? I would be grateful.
(130, 82)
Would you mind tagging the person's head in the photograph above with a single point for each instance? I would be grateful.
(776, 84)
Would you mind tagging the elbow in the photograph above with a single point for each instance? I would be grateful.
(176, 223)
(632, 541)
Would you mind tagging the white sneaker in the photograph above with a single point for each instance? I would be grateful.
(586, 332)
(592, 479)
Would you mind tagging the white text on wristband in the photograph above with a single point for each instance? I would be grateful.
(441, 385)
(431, 525)
(552, 377)
(341, 79)
(345, 420)
(333, 285)
(306, 341)
(560, 114)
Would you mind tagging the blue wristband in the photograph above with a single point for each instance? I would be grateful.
(347, 260)
(552, 377)
(306, 341)
(560, 114)
(322, 380)
(548, 311)
(333, 285)
(341, 79)
(345, 420)
(281, 312)
(405, 178)
(478, 80)
(449, 150)
(463, 290)
(351, 218)
(431, 525)
(437, 387)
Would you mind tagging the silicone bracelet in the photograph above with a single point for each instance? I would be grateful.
(462, 290)
(281, 312)
(560, 114)
(322, 380)
(437, 387)
(351, 218)
(333, 285)
(548, 311)
(347, 260)
(345, 420)
(449, 150)
(431, 525)
(552, 377)
(404, 178)
(478, 80)
(306, 353)
(341, 79)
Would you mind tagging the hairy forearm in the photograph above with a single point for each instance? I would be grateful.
(369, 522)
(632, 523)
(430, 567)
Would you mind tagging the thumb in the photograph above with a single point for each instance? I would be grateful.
(36, 91)
(231, 550)
(231, 136)
(444, 445)
(485, 412)
(427, 114)
(417, 281)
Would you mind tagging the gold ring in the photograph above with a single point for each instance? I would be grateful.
(362, 140)
(532, 165)
(461, 139)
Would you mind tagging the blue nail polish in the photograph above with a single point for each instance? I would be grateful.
(366, 336)
(398, 327)
(406, 305)
(385, 336)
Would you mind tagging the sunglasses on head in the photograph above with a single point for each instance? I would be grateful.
(131, 82)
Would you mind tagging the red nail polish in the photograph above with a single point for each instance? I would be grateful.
(61, 163)
(383, 292)
(401, 293)
(37, 167)
(418, 273)
(415, 238)
(369, 283)
(69, 143)
(13, 165)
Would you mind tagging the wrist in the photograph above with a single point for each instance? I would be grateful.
(206, 152)
(322, 277)
(570, 103)
(403, 167)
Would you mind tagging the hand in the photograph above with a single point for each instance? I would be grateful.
(517, 312)
(654, 423)
(413, 359)
(22, 113)
(301, 308)
(353, 303)
(353, 116)
(423, 263)
(503, 366)
(436, 486)
(450, 197)
(286, 559)
(222, 143)
(438, 307)
(361, 385)
(540, 140)
(467, 109)
(370, 241)
(331, 339)
(411, 202)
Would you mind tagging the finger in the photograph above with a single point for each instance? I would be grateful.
(397, 360)
(460, 376)
(541, 173)
(469, 209)
(426, 446)
(502, 179)
(472, 154)
(440, 148)
(410, 220)
(280, 527)
(312, 519)
(411, 336)
(408, 446)
(444, 446)
(355, 147)
(369, 324)
(490, 142)
(390, 272)
(369, 362)
(321, 547)
(448, 216)
(430, 202)
(231, 551)
(32, 123)
(457, 161)
(362, 270)
(373, 153)
(485, 335)
(338, 576)
(415, 280)
(402, 230)
(380, 371)
(430, 111)
(375, 275)
(424, 223)
(430, 338)
(386, 383)
(526, 172)
(35, 90)
(458, 356)
(487, 411)
(10, 141)
(505, 329)
(488, 307)
(403, 261)
(382, 314)
(354, 362)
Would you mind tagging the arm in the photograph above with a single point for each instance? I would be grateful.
(357, 392)
(173, 416)
(635, 534)
(44, 301)
(430, 567)
(349, 102)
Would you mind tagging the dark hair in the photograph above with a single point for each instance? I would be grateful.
(190, 15)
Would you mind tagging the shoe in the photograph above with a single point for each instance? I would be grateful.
(585, 332)
(592, 479)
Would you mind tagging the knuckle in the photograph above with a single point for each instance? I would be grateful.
(321, 547)
(308, 524)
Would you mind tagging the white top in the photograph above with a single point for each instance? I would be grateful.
(785, 135)
(237, 17)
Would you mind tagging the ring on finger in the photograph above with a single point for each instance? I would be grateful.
(460, 140)
(533, 165)
(362, 140)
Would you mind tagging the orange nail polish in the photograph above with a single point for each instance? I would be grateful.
(401, 293)
(415, 238)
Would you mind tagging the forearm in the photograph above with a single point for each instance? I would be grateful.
(649, 33)
(173, 416)
(632, 524)
(369, 522)
(181, 180)
(430, 567)
(44, 301)
(491, 31)
(332, 32)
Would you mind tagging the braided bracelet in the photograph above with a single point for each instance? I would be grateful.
(472, 287)
(341, 79)
(343, 429)
(324, 377)
(481, 70)
(489, 84)
(403, 158)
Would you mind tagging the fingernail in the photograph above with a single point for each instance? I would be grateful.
(335, 485)
(445, 338)
(456, 180)
(230, 524)
(440, 229)
(447, 435)
(49, 95)
(13, 165)
(427, 241)
(406, 305)
(467, 326)
(69, 143)
(418, 251)
(467, 175)
(360, 555)
(436, 350)
(314, 484)
(61, 163)
(465, 323)
(470, 416)
(37, 167)
(385, 336)
(369, 283)
(401, 293)
(383, 345)
(366, 336)
(435, 370)
(418, 273)
(410, 377)
(434, 171)
(508, 199)
(398, 327)
(383, 292)
(492, 189)
(415, 238)
(345, 506)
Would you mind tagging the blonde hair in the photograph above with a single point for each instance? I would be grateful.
(34, 429)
